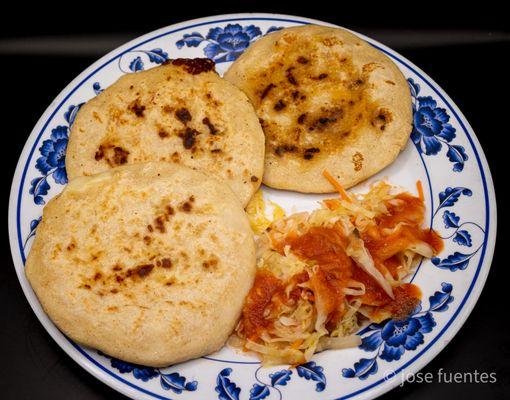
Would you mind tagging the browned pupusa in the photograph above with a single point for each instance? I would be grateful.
(149, 263)
(326, 100)
(181, 112)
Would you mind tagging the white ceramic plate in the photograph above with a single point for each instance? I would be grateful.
(443, 153)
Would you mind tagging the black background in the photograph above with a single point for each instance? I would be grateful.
(463, 48)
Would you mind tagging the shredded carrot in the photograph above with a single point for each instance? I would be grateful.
(341, 191)
(420, 190)
(332, 204)
(295, 345)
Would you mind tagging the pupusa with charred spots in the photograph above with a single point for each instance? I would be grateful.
(181, 112)
(138, 262)
(326, 100)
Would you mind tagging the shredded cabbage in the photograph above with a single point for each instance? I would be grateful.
(356, 249)
(299, 317)
(256, 210)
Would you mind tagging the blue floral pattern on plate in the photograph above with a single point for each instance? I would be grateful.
(96, 86)
(53, 157)
(224, 44)
(168, 381)
(389, 340)
(225, 387)
(228, 390)
(460, 235)
(155, 56)
(33, 227)
(261, 389)
(432, 130)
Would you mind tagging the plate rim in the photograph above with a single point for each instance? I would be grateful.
(419, 360)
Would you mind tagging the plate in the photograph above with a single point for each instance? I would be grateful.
(443, 152)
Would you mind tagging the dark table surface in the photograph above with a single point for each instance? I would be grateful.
(465, 56)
